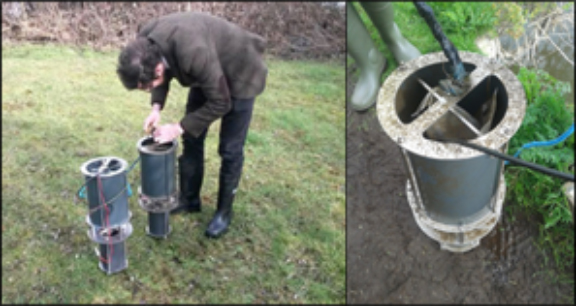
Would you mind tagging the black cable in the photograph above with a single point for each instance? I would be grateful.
(511, 159)
(133, 164)
(456, 66)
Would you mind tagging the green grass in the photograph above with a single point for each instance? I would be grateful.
(547, 117)
(62, 107)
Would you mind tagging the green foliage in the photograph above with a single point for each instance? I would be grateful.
(567, 6)
(547, 117)
(464, 18)
(510, 18)
(533, 10)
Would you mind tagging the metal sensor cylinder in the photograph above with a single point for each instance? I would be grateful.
(106, 191)
(455, 193)
(157, 193)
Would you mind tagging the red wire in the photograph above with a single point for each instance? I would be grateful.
(110, 245)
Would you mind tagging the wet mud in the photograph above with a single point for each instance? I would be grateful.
(390, 260)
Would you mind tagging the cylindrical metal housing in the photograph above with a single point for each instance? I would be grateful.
(456, 193)
(158, 168)
(106, 190)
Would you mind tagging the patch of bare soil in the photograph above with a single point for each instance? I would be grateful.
(390, 260)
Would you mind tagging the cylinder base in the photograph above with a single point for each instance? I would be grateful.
(457, 238)
(112, 257)
(158, 225)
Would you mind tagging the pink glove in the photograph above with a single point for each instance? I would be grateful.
(153, 119)
(167, 132)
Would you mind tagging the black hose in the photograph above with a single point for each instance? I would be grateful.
(511, 159)
(456, 67)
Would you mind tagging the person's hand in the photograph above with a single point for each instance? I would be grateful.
(153, 119)
(167, 132)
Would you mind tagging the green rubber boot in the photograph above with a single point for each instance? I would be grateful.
(370, 61)
(382, 16)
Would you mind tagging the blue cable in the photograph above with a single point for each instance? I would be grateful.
(82, 193)
(545, 143)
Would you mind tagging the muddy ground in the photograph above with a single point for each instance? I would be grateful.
(390, 260)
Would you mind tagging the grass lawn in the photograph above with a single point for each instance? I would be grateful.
(62, 107)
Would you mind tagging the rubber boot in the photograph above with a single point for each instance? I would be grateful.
(382, 16)
(191, 175)
(369, 59)
(223, 215)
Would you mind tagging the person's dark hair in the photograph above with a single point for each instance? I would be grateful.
(137, 62)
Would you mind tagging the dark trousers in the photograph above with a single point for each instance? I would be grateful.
(233, 130)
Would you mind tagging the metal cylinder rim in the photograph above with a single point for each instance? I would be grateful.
(91, 224)
(495, 139)
(142, 150)
(123, 166)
